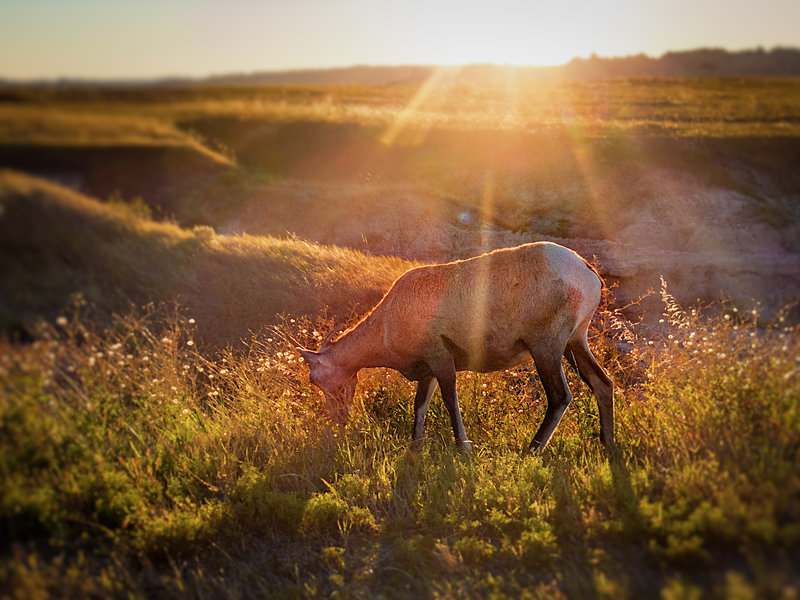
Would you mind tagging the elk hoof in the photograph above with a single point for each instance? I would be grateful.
(464, 446)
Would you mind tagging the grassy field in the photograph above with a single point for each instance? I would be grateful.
(134, 466)
(680, 107)
(159, 438)
(526, 157)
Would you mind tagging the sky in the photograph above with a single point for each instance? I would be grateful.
(133, 39)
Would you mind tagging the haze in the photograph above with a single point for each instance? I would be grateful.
(125, 39)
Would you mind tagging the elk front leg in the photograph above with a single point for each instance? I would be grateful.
(445, 374)
(425, 388)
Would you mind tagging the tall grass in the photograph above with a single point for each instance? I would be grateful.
(135, 465)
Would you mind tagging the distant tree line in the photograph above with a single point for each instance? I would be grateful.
(701, 62)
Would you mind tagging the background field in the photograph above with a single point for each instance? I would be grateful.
(160, 439)
(693, 179)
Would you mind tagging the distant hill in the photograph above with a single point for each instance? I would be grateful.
(704, 62)
(701, 62)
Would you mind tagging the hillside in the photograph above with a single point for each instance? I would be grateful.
(694, 180)
(55, 242)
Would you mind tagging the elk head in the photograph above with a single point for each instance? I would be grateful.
(336, 382)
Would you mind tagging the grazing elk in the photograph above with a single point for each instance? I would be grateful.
(481, 314)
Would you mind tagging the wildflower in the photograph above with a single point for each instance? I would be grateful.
(191, 321)
(165, 340)
(727, 317)
(190, 343)
(61, 321)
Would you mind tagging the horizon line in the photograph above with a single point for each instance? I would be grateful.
(176, 78)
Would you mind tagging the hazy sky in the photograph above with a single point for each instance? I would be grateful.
(153, 38)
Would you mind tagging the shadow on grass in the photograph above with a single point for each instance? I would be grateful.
(569, 529)
(643, 580)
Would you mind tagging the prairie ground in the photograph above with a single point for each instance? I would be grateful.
(159, 437)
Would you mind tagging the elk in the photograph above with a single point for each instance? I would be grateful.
(482, 314)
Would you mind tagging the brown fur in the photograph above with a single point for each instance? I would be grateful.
(481, 314)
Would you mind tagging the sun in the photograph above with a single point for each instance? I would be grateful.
(505, 32)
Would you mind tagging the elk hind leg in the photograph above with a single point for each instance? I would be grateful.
(581, 357)
(551, 372)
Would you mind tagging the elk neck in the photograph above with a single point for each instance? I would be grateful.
(362, 346)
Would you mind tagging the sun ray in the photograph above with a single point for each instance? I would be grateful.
(410, 116)
(591, 175)
(481, 315)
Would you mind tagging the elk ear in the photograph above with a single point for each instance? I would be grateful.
(312, 358)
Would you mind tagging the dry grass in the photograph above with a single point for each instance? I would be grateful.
(672, 107)
(55, 242)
